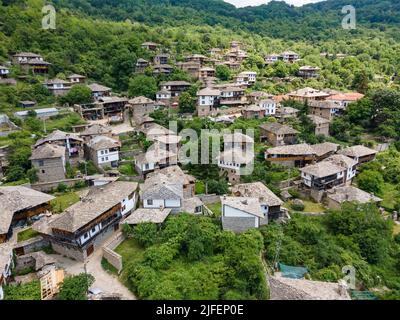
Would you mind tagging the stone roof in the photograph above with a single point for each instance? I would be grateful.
(143, 215)
(76, 76)
(96, 129)
(168, 139)
(321, 149)
(153, 155)
(175, 174)
(141, 100)
(308, 93)
(35, 61)
(342, 160)
(249, 205)
(208, 92)
(47, 151)
(17, 198)
(237, 137)
(257, 190)
(58, 135)
(278, 128)
(190, 204)
(300, 289)
(113, 99)
(175, 83)
(97, 201)
(253, 108)
(317, 120)
(309, 68)
(103, 142)
(350, 193)
(56, 81)
(27, 54)
(95, 87)
(295, 149)
(322, 169)
(156, 130)
(236, 156)
(259, 94)
(358, 151)
(232, 89)
(162, 187)
(325, 104)
(288, 110)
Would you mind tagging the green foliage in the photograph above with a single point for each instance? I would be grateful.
(193, 259)
(79, 94)
(142, 85)
(223, 72)
(27, 291)
(75, 287)
(370, 181)
(187, 104)
(145, 234)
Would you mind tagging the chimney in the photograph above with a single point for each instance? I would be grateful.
(342, 288)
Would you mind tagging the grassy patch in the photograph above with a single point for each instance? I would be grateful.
(108, 267)
(127, 169)
(130, 250)
(200, 187)
(389, 196)
(26, 235)
(62, 202)
(215, 208)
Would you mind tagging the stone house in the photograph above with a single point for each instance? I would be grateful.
(19, 204)
(87, 224)
(141, 106)
(103, 151)
(309, 72)
(321, 125)
(240, 214)
(4, 71)
(296, 155)
(359, 153)
(99, 90)
(71, 141)
(141, 65)
(31, 62)
(278, 134)
(207, 101)
(76, 79)
(49, 160)
(308, 94)
(270, 204)
(325, 109)
(57, 87)
(150, 45)
(335, 197)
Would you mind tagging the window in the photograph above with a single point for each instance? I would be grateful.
(102, 159)
(106, 158)
(149, 202)
(43, 171)
(41, 163)
(102, 151)
(86, 235)
(94, 229)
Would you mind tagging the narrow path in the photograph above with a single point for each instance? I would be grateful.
(105, 281)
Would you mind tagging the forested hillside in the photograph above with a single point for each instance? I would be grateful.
(276, 19)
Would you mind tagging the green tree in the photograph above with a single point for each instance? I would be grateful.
(223, 72)
(75, 287)
(186, 103)
(79, 94)
(370, 181)
(142, 85)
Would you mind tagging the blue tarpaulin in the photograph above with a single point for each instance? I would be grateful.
(292, 272)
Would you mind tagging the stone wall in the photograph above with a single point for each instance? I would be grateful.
(237, 224)
(49, 186)
(108, 251)
(31, 245)
(69, 251)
